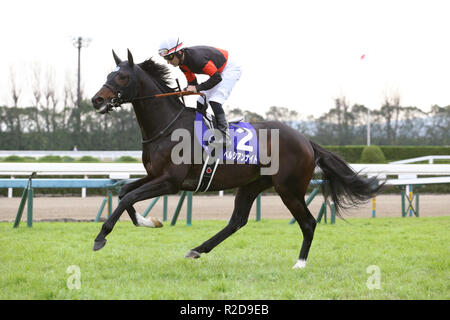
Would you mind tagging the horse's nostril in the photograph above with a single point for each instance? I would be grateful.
(98, 100)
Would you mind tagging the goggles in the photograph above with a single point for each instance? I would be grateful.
(168, 54)
(163, 52)
(169, 57)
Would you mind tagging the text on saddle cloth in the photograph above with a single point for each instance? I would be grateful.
(243, 135)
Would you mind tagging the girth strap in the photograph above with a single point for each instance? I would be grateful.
(206, 176)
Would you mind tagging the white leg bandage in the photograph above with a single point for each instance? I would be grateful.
(149, 222)
(300, 264)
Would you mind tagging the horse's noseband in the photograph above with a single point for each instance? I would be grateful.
(115, 102)
(130, 90)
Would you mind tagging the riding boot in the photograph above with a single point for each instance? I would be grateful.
(201, 107)
(222, 124)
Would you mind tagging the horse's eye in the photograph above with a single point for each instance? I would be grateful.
(123, 76)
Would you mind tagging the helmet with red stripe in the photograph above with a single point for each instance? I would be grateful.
(169, 46)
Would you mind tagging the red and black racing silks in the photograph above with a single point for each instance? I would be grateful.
(204, 60)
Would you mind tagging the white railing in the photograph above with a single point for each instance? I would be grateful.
(112, 170)
(430, 159)
(102, 155)
(402, 169)
(406, 173)
(22, 168)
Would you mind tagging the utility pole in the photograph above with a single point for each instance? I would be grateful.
(79, 42)
(368, 126)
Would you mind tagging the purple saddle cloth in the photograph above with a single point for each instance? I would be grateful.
(242, 134)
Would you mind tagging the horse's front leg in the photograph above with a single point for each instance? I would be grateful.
(151, 189)
(128, 188)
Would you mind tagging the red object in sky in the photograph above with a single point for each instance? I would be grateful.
(363, 56)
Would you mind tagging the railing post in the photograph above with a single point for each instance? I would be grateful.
(27, 195)
(323, 209)
(258, 207)
(21, 207)
(100, 211)
(165, 208)
(374, 206)
(10, 190)
(83, 190)
(150, 207)
(189, 209)
(333, 212)
(417, 205)
(178, 208)
(410, 199)
(403, 204)
(30, 207)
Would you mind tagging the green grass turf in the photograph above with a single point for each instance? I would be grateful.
(412, 254)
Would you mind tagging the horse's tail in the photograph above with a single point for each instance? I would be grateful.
(346, 188)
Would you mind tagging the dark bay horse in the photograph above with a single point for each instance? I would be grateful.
(158, 118)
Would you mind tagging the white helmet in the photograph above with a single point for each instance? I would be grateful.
(170, 46)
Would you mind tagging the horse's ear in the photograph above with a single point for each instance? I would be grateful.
(116, 58)
(130, 58)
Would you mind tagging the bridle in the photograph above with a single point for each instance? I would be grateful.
(117, 102)
(114, 103)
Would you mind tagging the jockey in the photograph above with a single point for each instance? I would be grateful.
(214, 62)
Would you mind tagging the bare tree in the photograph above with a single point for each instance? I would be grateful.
(390, 112)
(15, 90)
(36, 84)
(49, 93)
(343, 118)
(69, 98)
(233, 112)
(281, 114)
(37, 93)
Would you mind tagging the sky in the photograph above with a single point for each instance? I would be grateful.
(295, 54)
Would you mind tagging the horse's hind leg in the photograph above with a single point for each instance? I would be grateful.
(244, 199)
(297, 206)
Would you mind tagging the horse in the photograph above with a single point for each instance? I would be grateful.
(138, 84)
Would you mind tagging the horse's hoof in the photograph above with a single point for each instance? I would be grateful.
(99, 244)
(158, 223)
(192, 254)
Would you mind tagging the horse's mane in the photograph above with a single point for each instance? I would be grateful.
(159, 72)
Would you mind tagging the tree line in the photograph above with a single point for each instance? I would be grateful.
(32, 128)
(47, 126)
(345, 124)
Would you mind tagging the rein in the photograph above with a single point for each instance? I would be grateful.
(117, 102)
(164, 95)
(169, 94)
